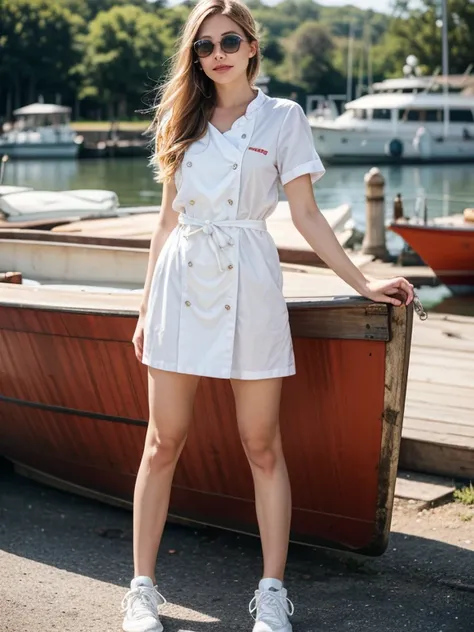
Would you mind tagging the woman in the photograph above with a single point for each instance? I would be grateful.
(212, 303)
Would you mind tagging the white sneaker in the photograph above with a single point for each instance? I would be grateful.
(140, 607)
(271, 607)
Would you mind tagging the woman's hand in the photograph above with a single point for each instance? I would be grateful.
(385, 291)
(138, 337)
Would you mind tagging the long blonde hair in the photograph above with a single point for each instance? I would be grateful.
(188, 98)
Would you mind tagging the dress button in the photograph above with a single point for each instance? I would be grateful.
(189, 164)
(187, 303)
(227, 307)
(190, 264)
(234, 166)
(230, 267)
(192, 202)
(230, 202)
(244, 135)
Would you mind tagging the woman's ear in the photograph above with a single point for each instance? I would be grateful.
(253, 49)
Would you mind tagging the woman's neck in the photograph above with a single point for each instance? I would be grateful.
(234, 96)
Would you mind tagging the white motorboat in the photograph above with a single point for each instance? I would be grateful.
(41, 130)
(404, 120)
(21, 204)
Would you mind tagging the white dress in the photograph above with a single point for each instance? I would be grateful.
(216, 306)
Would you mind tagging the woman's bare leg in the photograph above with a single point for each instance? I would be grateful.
(257, 406)
(171, 398)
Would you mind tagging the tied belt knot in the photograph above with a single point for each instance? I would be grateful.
(218, 239)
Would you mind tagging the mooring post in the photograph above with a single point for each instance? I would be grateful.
(374, 238)
(398, 208)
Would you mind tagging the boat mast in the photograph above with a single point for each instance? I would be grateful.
(350, 61)
(444, 35)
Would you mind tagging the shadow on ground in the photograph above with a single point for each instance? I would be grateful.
(208, 576)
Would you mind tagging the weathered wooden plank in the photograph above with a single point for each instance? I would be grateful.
(440, 394)
(424, 434)
(444, 357)
(437, 374)
(438, 424)
(439, 401)
(445, 332)
(424, 488)
(364, 322)
(397, 355)
(449, 412)
(351, 318)
(421, 452)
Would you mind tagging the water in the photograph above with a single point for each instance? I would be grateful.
(449, 189)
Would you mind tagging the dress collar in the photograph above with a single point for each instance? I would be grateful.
(256, 103)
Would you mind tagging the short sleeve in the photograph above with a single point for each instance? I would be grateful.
(296, 155)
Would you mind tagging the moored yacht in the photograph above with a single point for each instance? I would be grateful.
(411, 119)
(41, 130)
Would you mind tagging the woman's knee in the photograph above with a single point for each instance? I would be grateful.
(162, 452)
(263, 453)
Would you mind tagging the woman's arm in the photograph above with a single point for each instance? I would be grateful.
(312, 224)
(167, 220)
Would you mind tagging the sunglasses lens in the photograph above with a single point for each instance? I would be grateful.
(230, 43)
(203, 48)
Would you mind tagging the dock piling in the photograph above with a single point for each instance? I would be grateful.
(374, 239)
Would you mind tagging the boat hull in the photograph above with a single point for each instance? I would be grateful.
(40, 150)
(449, 251)
(73, 409)
(369, 146)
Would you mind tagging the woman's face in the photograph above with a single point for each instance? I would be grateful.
(220, 66)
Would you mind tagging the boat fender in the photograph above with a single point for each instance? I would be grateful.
(423, 142)
(394, 148)
(468, 214)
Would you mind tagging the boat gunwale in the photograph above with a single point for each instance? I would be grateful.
(293, 303)
(454, 231)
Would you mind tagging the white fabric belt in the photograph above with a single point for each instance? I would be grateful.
(218, 239)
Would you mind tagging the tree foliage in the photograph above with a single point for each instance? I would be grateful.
(110, 52)
(416, 29)
(124, 52)
(38, 46)
(308, 57)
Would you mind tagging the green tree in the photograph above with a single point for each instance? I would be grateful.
(38, 44)
(308, 57)
(416, 30)
(302, 10)
(96, 6)
(124, 52)
(175, 17)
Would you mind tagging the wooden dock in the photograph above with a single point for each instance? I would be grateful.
(438, 429)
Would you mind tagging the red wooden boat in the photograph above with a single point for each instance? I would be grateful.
(73, 405)
(447, 246)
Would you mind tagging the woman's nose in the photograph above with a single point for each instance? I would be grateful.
(218, 52)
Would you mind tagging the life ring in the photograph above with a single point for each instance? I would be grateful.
(394, 148)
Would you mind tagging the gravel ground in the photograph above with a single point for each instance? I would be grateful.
(66, 563)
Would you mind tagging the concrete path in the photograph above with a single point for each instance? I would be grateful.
(66, 562)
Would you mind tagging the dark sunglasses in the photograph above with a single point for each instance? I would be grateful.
(229, 44)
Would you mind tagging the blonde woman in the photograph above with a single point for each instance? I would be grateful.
(213, 303)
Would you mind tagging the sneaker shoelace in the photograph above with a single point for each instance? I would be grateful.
(143, 602)
(271, 607)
